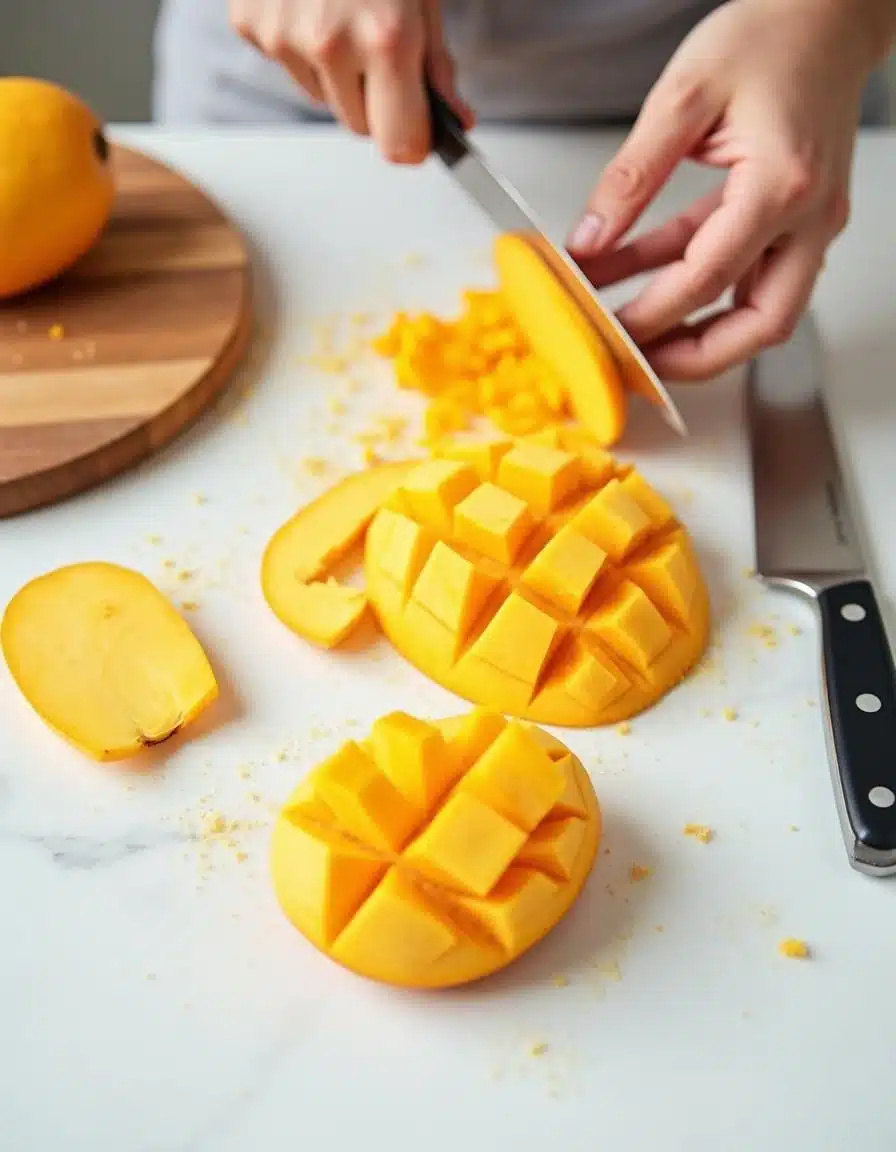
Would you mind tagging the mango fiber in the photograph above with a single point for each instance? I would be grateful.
(104, 659)
(524, 356)
(433, 854)
(539, 578)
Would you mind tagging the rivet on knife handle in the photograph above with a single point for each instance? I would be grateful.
(860, 683)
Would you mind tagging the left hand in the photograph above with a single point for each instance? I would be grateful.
(771, 91)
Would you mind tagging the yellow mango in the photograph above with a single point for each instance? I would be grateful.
(104, 659)
(56, 182)
(488, 858)
(560, 588)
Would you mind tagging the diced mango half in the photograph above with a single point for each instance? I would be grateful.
(561, 589)
(104, 659)
(505, 828)
(563, 338)
(307, 546)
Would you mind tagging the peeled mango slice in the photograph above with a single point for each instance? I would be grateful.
(104, 659)
(539, 578)
(307, 546)
(563, 338)
(433, 854)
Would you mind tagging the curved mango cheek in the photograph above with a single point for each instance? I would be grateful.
(538, 578)
(434, 854)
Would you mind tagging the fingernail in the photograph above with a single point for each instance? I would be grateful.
(586, 236)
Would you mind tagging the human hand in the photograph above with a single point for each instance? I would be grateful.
(365, 59)
(771, 91)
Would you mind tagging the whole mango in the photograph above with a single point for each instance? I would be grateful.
(56, 182)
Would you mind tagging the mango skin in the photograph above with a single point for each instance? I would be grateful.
(56, 183)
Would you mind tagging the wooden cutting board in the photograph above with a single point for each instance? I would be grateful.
(107, 364)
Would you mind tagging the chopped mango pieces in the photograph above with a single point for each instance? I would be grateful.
(306, 547)
(433, 854)
(524, 356)
(104, 659)
(561, 588)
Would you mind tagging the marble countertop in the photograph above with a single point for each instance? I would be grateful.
(154, 999)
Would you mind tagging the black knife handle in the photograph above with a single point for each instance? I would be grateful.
(860, 682)
(446, 127)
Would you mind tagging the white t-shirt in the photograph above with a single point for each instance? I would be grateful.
(517, 60)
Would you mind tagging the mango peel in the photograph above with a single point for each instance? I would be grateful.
(310, 543)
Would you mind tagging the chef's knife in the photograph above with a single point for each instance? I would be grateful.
(806, 542)
(508, 212)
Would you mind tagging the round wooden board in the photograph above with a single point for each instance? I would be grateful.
(108, 363)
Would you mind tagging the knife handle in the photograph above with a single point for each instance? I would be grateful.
(445, 126)
(860, 683)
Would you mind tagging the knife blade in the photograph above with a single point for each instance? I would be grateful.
(806, 542)
(507, 210)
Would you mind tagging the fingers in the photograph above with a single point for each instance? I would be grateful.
(766, 313)
(729, 241)
(655, 249)
(440, 66)
(392, 49)
(674, 119)
(366, 60)
(341, 81)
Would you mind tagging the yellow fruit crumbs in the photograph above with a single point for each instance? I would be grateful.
(477, 365)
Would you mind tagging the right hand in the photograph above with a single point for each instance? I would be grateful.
(365, 59)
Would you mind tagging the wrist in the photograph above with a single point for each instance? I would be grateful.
(863, 29)
(867, 25)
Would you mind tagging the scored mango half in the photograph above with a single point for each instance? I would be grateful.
(540, 578)
(434, 854)
(105, 659)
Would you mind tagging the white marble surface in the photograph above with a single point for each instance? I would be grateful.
(153, 999)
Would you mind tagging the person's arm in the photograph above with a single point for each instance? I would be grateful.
(769, 91)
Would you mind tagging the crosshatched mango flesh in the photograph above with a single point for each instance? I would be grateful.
(433, 854)
(305, 548)
(540, 578)
(104, 659)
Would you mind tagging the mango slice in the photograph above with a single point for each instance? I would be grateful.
(434, 854)
(305, 548)
(563, 338)
(544, 580)
(104, 659)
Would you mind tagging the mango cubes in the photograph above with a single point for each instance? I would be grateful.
(539, 578)
(433, 854)
(524, 356)
(104, 659)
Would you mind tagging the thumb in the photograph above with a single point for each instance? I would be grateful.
(674, 118)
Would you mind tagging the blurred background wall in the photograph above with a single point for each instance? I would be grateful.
(101, 49)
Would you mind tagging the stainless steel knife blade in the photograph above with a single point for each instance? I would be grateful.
(802, 519)
(507, 210)
(806, 542)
